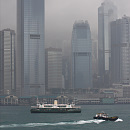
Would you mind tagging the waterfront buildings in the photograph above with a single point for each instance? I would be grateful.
(107, 13)
(81, 55)
(53, 68)
(7, 62)
(30, 48)
(120, 56)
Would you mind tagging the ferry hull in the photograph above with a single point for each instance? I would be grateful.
(114, 118)
(55, 110)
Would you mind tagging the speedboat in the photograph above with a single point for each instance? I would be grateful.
(104, 116)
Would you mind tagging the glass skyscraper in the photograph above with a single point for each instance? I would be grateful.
(81, 55)
(7, 62)
(107, 13)
(30, 47)
(120, 58)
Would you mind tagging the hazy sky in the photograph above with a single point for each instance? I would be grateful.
(60, 16)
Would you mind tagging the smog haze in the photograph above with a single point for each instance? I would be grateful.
(60, 16)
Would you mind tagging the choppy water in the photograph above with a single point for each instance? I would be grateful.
(20, 118)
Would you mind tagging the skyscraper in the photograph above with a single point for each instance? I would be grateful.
(53, 68)
(30, 47)
(7, 62)
(120, 56)
(66, 66)
(81, 55)
(107, 13)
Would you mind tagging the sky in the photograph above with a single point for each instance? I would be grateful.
(60, 16)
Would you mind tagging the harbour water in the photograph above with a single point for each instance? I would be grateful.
(20, 118)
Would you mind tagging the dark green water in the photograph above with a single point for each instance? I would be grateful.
(20, 118)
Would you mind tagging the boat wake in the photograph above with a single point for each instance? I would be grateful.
(55, 124)
(119, 120)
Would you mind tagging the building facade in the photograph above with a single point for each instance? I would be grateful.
(30, 48)
(120, 56)
(81, 55)
(107, 13)
(53, 68)
(66, 66)
(7, 62)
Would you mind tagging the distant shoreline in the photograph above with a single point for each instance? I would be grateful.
(76, 104)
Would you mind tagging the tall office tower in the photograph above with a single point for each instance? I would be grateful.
(66, 67)
(107, 13)
(120, 56)
(30, 48)
(81, 55)
(53, 67)
(95, 62)
(7, 62)
(94, 56)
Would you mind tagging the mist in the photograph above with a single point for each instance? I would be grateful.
(60, 16)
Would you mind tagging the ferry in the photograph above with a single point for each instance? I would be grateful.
(55, 108)
(104, 116)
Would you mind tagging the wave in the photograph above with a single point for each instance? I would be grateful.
(55, 124)
(119, 120)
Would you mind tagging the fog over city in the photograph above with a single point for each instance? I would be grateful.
(60, 16)
(70, 50)
(65, 56)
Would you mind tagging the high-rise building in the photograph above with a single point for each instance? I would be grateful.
(95, 63)
(7, 62)
(66, 66)
(120, 52)
(94, 56)
(30, 48)
(107, 13)
(81, 55)
(53, 68)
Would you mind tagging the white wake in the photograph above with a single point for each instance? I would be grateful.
(119, 120)
(55, 124)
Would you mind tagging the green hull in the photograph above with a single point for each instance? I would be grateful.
(55, 110)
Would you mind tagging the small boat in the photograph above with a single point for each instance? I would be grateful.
(55, 108)
(104, 116)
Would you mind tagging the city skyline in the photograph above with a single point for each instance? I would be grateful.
(71, 26)
(30, 22)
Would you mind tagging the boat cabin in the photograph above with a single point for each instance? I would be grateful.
(102, 115)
